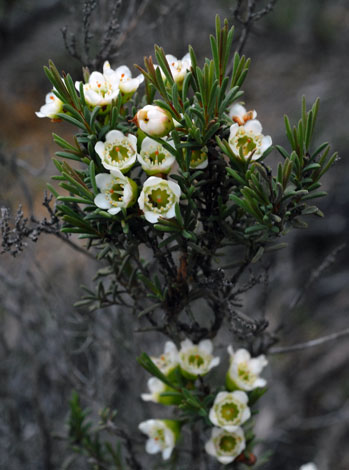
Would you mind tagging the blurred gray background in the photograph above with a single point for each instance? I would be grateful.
(48, 348)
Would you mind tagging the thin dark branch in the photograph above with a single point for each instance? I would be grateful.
(310, 344)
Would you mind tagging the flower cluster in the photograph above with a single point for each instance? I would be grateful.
(230, 409)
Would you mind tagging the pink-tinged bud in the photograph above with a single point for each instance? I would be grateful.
(154, 121)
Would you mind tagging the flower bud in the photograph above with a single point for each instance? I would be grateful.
(154, 121)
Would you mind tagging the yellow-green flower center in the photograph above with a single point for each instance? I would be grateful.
(246, 142)
(227, 444)
(229, 411)
(197, 157)
(245, 374)
(119, 152)
(159, 198)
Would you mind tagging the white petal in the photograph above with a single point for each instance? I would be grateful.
(103, 180)
(233, 130)
(147, 397)
(77, 85)
(170, 213)
(214, 363)
(117, 174)
(99, 149)
(210, 448)
(106, 67)
(101, 201)
(257, 364)
(133, 141)
(114, 136)
(259, 383)
(96, 78)
(170, 347)
(216, 432)
(148, 145)
(206, 346)
(186, 344)
(237, 110)
(152, 446)
(129, 86)
(213, 417)
(242, 355)
(246, 415)
(230, 350)
(240, 396)
(146, 426)
(225, 459)
(166, 453)
(175, 188)
(114, 210)
(254, 126)
(123, 70)
(151, 217)
(266, 143)
(155, 385)
(221, 396)
(152, 181)
(141, 201)
(92, 97)
(171, 58)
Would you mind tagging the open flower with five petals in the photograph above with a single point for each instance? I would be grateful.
(53, 105)
(244, 371)
(158, 199)
(196, 359)
(224, 445)
(118, 152)
(247, 140)
(162, 433)
(168, 360)
(154, 158)
(179, 68)
(100, 90)
(123, 76)
(116, 191)
(230, 410)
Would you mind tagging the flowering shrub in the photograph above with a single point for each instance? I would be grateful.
(180, 168)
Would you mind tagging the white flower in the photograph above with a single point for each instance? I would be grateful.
(230, 410)
(225, 446)
(162, 433)
(118, 152)
(154, 120)
(123, 76)
(238, 114)
(101, 89)
(158, 199)
(179, 68)
(197, 359)
(51, 108)
(198, 160)
(308, 466)
(168, 360)
(117, 191)
(248, 140)
(244, 371)
(154, 158)
(156, 387)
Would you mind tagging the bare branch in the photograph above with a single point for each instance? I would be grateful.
(310, 344)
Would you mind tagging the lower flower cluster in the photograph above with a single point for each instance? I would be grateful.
(225, 411)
